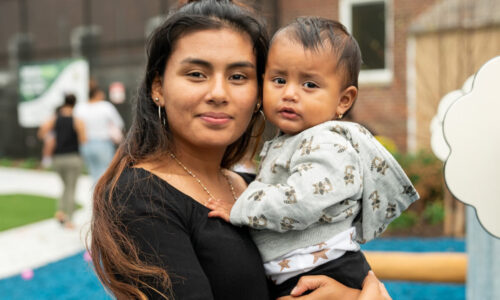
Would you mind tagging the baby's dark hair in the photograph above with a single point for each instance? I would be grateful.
(315, 33)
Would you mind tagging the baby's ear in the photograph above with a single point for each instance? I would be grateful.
(347, 99)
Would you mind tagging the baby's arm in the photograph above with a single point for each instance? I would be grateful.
(220, 209)
(320, 178)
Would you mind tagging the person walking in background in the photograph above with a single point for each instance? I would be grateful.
(69, 133)
(103, 126)
(49, 144)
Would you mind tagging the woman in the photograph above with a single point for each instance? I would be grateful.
(194, 117)
(69, 133)
(102, 122)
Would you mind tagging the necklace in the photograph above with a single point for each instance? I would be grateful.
(201, 183)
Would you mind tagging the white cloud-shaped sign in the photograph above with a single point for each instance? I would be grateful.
(472, 130)
(438, 143)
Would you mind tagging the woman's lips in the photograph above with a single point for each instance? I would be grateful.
(215, 118)
(288, 113)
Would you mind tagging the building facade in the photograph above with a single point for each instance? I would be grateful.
(112, 34)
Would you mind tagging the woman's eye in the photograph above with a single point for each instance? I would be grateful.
(310, 85)
(196, 75)
(279, 80)
(238, 77)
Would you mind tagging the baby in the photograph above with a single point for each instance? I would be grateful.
(323, 185)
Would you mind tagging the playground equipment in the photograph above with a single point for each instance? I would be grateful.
(469, 118)
(471, 129)
(425, 267)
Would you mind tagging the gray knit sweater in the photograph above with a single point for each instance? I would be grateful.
(320, 182)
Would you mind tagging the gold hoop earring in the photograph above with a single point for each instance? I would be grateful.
(262, 114)
(262, 127)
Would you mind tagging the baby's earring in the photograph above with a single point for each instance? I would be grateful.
(257, 108)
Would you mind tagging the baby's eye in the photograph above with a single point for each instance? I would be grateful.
(310, 85)
(279, 80)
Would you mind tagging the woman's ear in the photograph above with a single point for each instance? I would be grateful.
(347, 99)
(157, 91)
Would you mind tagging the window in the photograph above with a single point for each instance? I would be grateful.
(369, 22)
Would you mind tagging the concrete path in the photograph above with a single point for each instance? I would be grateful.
(40, 243)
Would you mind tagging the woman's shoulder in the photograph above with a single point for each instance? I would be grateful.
(247, 177)
(130, 176)
(240, 180)
(136, 184)
(143, 188)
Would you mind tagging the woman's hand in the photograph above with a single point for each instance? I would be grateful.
(220, 209)
(327, 288)
(373, 289)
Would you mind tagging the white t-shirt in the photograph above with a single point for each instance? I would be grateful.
(100, 119)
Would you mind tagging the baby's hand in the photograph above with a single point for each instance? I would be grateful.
(220, 209)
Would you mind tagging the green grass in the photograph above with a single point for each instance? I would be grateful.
(6, 162)
(18, 209)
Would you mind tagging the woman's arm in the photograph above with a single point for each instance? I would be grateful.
(161, 235)
(80, 131)
(163, 243)
(46, 127)
(327, 288)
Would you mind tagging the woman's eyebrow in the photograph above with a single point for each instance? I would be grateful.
(201, 62)
(241, 64)
(196, 61)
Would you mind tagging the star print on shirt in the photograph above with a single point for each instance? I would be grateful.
(284, 264)
(320, 254)
(321, 245)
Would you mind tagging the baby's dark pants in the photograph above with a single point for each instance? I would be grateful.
(349, 269)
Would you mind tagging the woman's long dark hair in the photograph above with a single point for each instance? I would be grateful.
(116, 260)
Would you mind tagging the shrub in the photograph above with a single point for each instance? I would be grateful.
(425, 172)
(434, 213)
(423, 168)
(406, 220)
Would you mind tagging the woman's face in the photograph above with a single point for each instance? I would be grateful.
(209, 88)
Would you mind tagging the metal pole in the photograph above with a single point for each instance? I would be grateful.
(23, 16)
(483, 270)
(87, 12)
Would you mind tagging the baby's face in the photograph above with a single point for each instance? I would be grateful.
(301, 87)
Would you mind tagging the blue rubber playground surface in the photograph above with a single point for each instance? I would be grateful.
(73, 278)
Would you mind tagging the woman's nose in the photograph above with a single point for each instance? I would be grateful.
(218, 93)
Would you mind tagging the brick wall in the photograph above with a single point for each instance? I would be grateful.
(291, 9)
